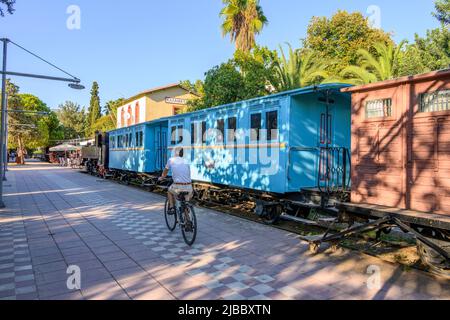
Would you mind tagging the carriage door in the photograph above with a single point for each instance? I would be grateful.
(325, 148)
(429, 153)
(161, 148)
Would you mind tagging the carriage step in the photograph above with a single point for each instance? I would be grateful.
(300, 220)
(314, 238)
(327, 220)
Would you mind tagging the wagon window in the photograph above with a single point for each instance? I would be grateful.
(221, 129)
(435, 101)
(203, 131)
(272, 125)
(379, 108)
(194, 132)
(120, 141)
(180, 134)
(141, 138)
(255, 126)
(173, 135)
(232, 126)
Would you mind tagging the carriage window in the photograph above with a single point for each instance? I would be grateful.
(130, 139)
(221, 129)
(255, 127)
(272, 125)
(231, 137)
(119, 141)
(180, 134)
(435, 101)
(194, 132)
(141, 138)
(203, 131)
(379, 108)
(173, 135)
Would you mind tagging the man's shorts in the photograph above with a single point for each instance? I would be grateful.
(176, 189)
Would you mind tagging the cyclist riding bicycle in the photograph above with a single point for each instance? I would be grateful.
(181, 176)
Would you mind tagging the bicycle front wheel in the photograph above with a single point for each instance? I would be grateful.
(189, 227)
(171, 217)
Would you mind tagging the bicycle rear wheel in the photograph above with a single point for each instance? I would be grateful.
(171, 217)
(189, 227)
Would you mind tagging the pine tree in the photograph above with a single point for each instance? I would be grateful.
(94, 112)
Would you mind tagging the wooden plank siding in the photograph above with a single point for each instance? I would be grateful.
(402, 160)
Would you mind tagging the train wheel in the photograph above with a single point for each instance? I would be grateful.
(437, 263)
(272, 214)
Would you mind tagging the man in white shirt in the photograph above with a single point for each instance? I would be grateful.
(181, 176)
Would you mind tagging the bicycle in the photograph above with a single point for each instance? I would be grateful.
(184, 215)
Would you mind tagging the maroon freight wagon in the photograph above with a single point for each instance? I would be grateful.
(401, 143)
(401, 163)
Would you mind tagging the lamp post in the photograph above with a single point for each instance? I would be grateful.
(74, 83)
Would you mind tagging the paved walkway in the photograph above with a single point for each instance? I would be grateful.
(116, 235)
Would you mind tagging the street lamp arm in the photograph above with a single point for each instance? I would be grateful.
(38, 76)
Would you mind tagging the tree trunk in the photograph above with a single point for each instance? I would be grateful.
(20, 152)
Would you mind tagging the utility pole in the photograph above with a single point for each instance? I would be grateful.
(74, 83)
(3, 123)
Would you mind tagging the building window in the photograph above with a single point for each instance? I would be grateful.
(221, 130)
(177, 110)
(203, 131)
(435, 101)
(379, 108)
(255, 125)
(232, 127)
(272, 125)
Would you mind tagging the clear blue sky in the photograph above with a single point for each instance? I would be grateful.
(130, 46)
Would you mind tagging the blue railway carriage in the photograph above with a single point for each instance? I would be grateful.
(278, 144)
(139, 149)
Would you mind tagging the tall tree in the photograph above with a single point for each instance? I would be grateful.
(223, 84)
(341, 36)
(73, 120)
(31, 124)
(243, 20)
(383, 65)
(300, 68)
(94, 111)
(434, 48)
(9, 4)
(442, 11)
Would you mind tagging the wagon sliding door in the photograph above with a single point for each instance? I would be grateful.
(429, 153)
(377, 151)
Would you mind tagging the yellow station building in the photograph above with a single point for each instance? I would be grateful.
(153, 104)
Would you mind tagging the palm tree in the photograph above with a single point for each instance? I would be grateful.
(300, 69)
(243, 20)
(383, 65)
